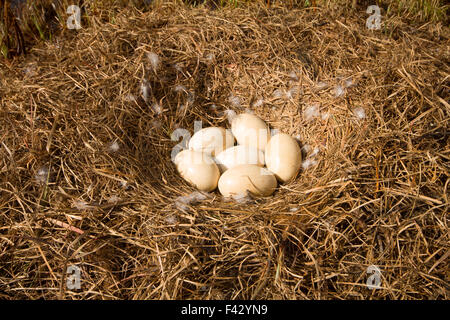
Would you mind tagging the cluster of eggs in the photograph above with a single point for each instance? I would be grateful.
(254, 165)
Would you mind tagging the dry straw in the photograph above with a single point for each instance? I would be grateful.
(374, 192)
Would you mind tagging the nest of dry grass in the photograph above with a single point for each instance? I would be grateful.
(86, 177)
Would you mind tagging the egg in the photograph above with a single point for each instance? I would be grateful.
(238, 155)
(245, 178)
(283, 157)
(250, 130)
(212, 140)
(197, 168)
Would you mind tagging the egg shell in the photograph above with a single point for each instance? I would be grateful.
(238, 155)
(198, 168)
(283, 157)
(250, 130)
(245, 178)
(211, 140)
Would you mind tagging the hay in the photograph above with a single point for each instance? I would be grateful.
(86, 177)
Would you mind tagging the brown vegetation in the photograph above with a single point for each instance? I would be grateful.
(376, 192)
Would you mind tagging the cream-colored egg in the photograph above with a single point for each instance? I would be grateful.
(198, 168)
(245, 178)
(212, 140)
(283, 157)
(238, 155)
(250, 130)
